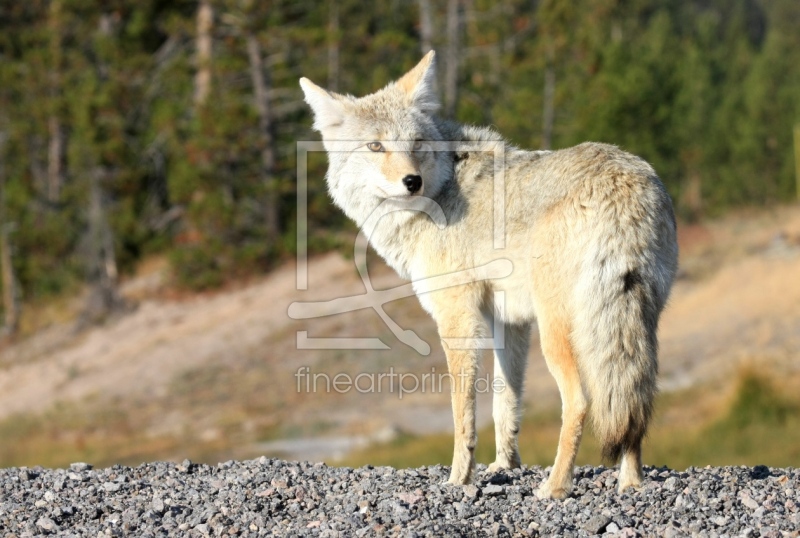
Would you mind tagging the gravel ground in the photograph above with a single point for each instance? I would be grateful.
(267, 497)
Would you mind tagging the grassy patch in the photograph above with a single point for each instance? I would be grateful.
(756, 421)
(759, 424)
(537, 440)
(105, 432)
(68, 433)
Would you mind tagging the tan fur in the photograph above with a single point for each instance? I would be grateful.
(397, 164)
(509, 368)
(409, 82)
(589, 231)
(557, 350)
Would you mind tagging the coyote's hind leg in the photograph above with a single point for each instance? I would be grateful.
(562, 363)
(630, 468)
(510, 360)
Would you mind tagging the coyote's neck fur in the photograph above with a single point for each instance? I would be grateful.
(385, 220)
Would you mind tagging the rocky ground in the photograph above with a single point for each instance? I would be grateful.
(267, 497)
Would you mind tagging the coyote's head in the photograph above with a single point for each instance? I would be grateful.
(379, 146)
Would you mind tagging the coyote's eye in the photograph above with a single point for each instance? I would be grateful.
(375, 146)
(417, 145)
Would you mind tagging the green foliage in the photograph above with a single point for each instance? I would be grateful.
(757, 402)
(197, 268)
(706, 90)
(761, 425)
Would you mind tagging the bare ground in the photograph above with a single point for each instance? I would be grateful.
(220, 368)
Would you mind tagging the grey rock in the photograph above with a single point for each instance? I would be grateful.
(492, 490)
(410, 498)
(671, 483)
(672, 532)
(748, 501)
(46, 523)
(471, 491)
(597, 524)
(157, 505)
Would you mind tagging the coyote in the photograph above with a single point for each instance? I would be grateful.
(590, 234)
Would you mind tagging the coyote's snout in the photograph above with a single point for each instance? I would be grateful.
(399, 166)
(589, 231)
(413, 183)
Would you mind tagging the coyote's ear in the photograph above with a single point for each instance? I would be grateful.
(419, 84)
(328, 110)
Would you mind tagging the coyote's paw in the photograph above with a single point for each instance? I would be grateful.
(461, 474)
(459, 479)
(502, 465)
(625, 483)
(551, 491)
(497, 466)
(463, 464)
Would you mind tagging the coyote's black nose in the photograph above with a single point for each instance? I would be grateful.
(412, 183)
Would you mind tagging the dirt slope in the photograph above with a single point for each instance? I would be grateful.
(227, 361)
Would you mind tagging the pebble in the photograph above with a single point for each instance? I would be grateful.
(274, 497)
(492, 489)
(46, 523)
(471, 491)
(597, 524)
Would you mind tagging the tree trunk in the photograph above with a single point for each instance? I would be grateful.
(55, 147)
(693, 196)
(261, 89)
(426, 33)
(333, 45)
(7, 278)
(202, 78)
(797, 158)
(103, 275)
(548, 107)
(453, 54)
(55, 159)
(104, 297)
(10, 297)
(425, 26)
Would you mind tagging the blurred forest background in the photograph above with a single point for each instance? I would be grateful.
(148, 218)
(130, 128)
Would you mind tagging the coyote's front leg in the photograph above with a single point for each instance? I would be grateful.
(510, 360)
(460, 321)
(463, 366)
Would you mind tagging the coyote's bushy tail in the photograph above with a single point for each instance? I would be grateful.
(615, 340)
